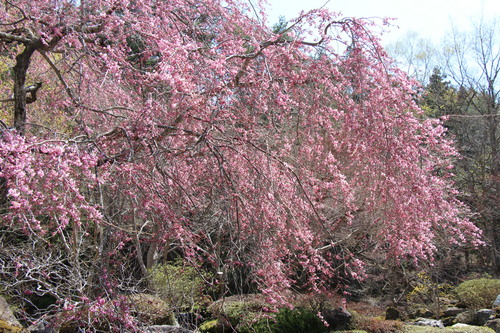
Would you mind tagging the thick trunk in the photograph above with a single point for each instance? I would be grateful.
(23, 61)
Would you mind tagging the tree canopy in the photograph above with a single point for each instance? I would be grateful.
(177, 129)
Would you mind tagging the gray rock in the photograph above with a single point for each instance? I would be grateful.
(452, 311)
(392, 313)
(466, 317)
(8, 317)
(338, 319)
(494, 324)
(460, 325)
(428, 322)
(166, 329)
(497, 301)
(41, 328)
(189, 320)
(482, 316)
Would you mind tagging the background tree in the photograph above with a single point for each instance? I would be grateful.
(473, 62)
(193, 131)
(417, 56)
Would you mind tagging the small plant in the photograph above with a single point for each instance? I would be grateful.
(478, 293)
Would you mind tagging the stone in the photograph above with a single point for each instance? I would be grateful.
(496, 302)
(494, 324)
(8, 322)
(452, 311)
(482, 316)
(189, 320)
(151, 309)
(338, 319)
(466, 317)
(392, 313)
(41, 327)
(423, 312)
(460, 325)
(166, 329)
(428, 322)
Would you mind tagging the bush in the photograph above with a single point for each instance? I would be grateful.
(298, 320)
(183, 287)
(478, 293)
(248, 314)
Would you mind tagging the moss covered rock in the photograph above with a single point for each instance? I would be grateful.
(151, 310)
(6, 327)
(211, 326)
(8, 322)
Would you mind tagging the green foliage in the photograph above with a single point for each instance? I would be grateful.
(427, 291)
(298, 320)
(248, 314)
(281, 28)
(478, 293)
(183, 287)
(211, 326)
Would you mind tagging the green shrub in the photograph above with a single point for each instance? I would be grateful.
(298, 320)
(183, 287)
(247, 314)
(478, 293)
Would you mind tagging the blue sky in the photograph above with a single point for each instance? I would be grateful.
(429, 18)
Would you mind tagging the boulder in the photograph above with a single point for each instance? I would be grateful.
(421, 313)
(460, 325)
(494, 324)
(151, 310)
(466, 317)
(392, 313)
(452, 311)
(8, 322)
(482, 316)
(338, 319)
(496, 302)
(428, 322)
(166, 329)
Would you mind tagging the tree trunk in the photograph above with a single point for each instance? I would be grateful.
(23, 61)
